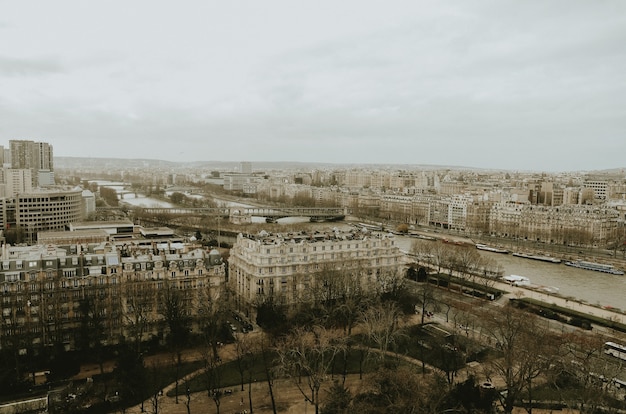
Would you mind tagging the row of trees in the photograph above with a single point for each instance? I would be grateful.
(463, 260)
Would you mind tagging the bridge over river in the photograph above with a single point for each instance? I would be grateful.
(241, 214)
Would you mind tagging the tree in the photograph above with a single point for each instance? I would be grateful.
(243, 356)
(212, 377)
(140, 300)
(338, 400)
(466, 262)
(401, 390)
(583, 365)
(109, 195)
(426, 296)
(176, 314)
(92, 331)
(178, 197)
(381, 326)
(213, 311)
(521, 338)
(131, 375)
(307, 355)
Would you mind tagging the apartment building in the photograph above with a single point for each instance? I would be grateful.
(46, 291)
(571, 224)
(291, 268)
(599, 187)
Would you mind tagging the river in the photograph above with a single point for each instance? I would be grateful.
(595, 288)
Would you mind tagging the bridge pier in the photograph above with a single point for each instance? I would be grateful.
(237, 217)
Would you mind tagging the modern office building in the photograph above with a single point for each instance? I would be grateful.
(47, 210)
(47, 292)
(291, 268)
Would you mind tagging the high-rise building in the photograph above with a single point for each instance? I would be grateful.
(36, 156)
(246, 167)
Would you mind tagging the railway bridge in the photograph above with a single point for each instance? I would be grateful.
(244, 214)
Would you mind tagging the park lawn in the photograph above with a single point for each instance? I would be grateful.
(230, 377)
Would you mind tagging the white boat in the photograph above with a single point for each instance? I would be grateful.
(598, 267)
(517, 280)
(491, 249)
(538, 257)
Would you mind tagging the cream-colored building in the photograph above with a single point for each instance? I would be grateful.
(584, 225)
(287, 268)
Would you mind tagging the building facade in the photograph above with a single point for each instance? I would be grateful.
(47, 292)
(582, 225)
(288, 268)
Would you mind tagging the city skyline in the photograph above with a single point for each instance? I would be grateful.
(507, 85)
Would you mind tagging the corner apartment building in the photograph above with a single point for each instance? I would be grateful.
(46, 291)
(569, 224)
(289, 268)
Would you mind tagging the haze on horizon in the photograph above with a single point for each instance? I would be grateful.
(529, 85)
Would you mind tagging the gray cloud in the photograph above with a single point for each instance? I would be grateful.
(526, 85)
(28, 67)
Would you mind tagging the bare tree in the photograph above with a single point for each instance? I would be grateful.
(381, 324)
(520, 337)
(140, 302)
(212, 378)
(427, 297)
(243, 356)
(307, 355)
(174, 310)
(583, 359)
(212, 315)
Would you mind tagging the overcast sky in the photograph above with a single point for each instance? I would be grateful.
(522, 85)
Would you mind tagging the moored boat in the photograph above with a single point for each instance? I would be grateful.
(491, 249)
(537, 257)
(598, 267)
(517, 280)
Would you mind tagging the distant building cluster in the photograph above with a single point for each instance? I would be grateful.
(571, 208)
(30, 201)
(581, 209)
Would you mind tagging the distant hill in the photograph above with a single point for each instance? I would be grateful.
(141, 163)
